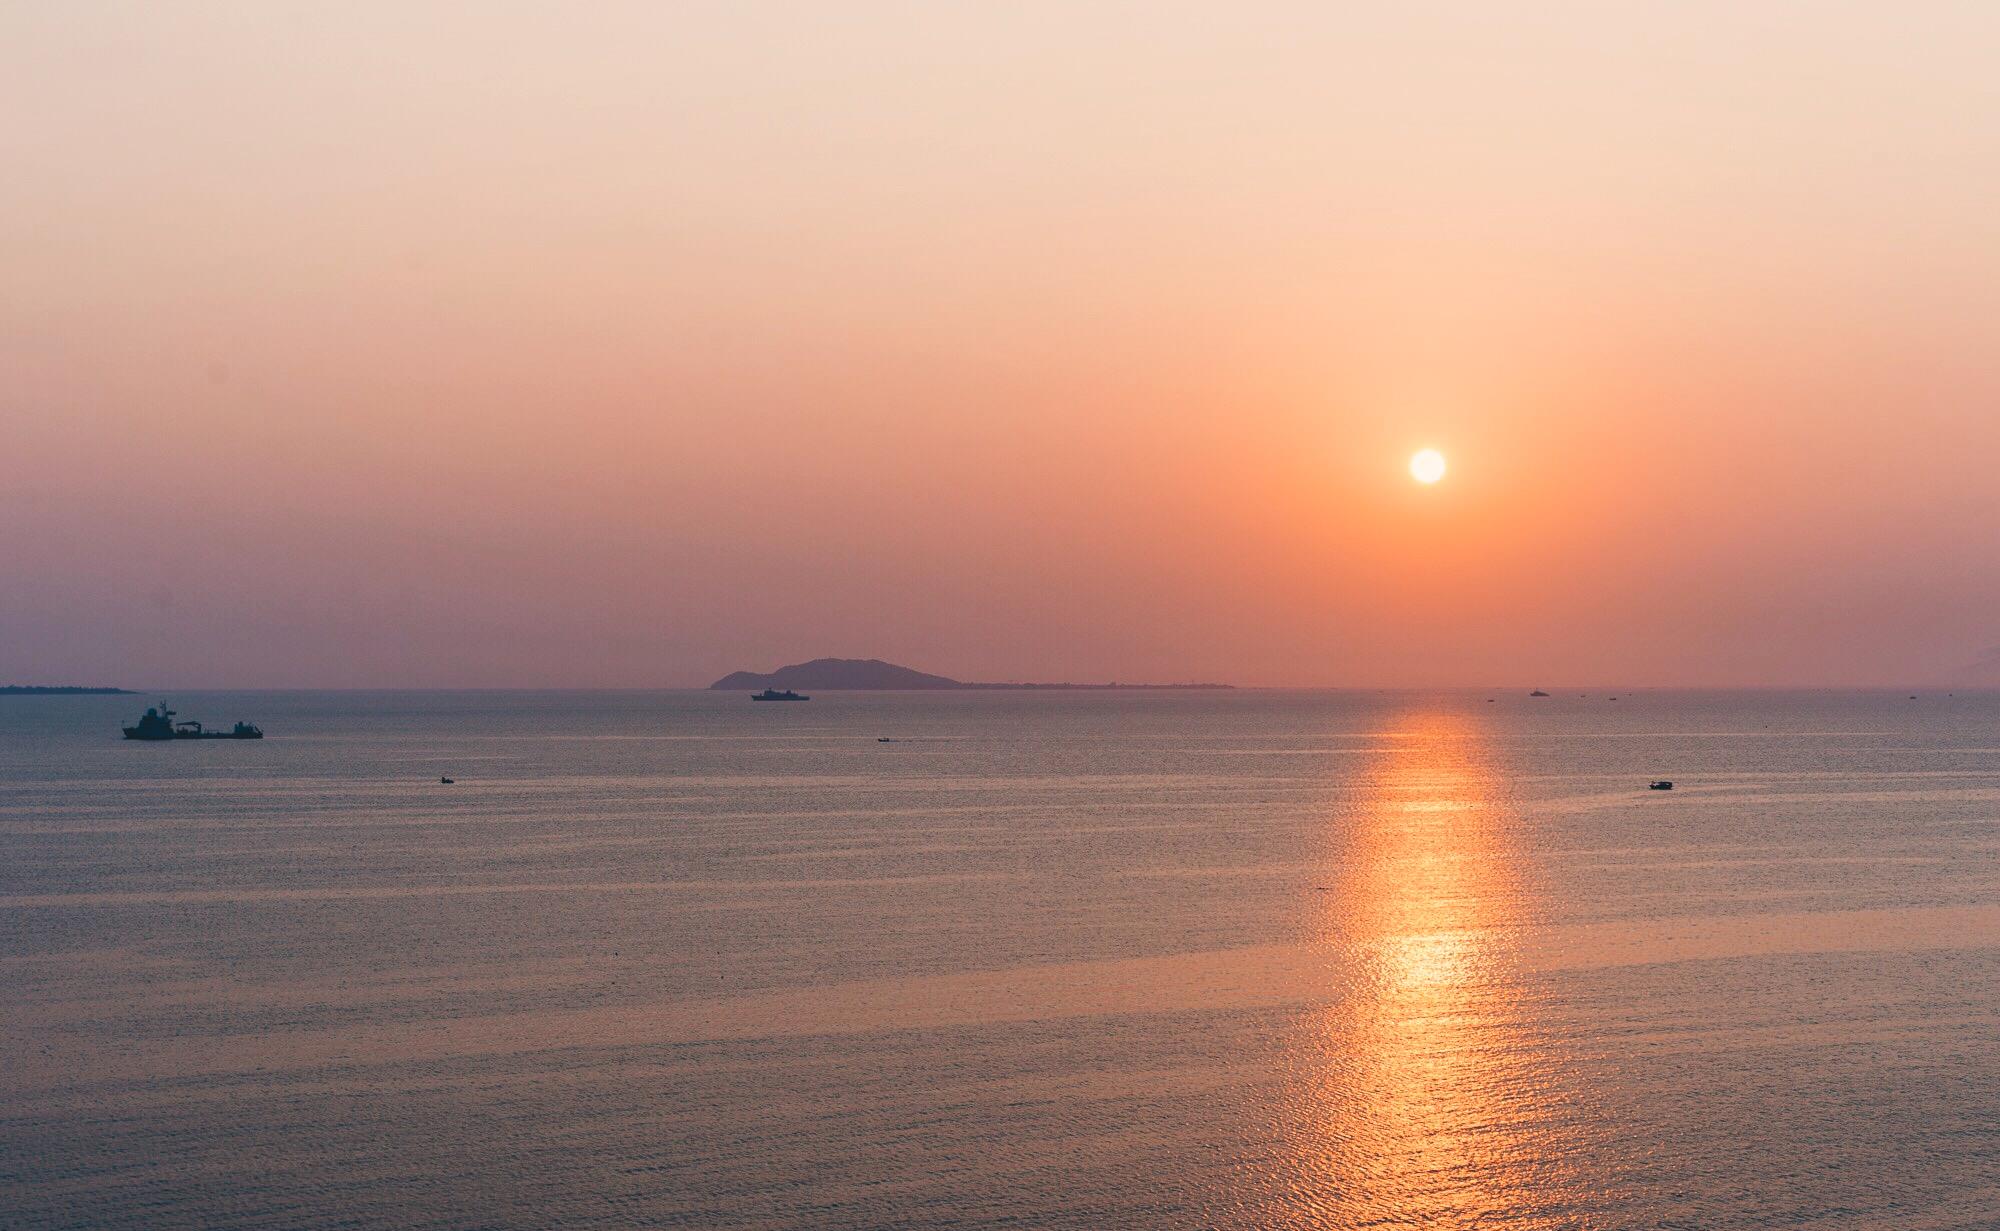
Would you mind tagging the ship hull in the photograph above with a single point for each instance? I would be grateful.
(133, 733)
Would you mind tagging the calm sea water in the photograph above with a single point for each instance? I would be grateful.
(1234, 960)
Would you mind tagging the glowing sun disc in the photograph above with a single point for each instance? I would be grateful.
(1427, 466)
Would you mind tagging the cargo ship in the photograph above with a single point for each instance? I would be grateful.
(772, 694)
(158, 724)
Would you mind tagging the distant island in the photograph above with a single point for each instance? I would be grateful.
(60, 690)
(874, 675)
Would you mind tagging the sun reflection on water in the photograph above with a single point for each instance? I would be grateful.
(1424, 1095)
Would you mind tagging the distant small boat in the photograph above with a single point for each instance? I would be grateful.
(772, 694)
(447, 781)
(1661, 785)
(1538, 693)
(883, 739)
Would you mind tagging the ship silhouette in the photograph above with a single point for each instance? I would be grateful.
(158, 724)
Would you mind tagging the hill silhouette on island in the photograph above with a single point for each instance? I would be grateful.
(874, 675)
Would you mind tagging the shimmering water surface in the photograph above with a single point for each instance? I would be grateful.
(1228, 960)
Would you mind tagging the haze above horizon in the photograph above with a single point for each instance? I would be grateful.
(534, 345)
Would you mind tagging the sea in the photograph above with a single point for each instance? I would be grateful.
(1234, 959)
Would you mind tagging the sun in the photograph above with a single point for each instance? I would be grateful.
(1427, 466)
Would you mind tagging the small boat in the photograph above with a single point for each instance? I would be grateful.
(1538, 693)
(1661, 785)
(883, 739)
(772, 694)
(447, 781)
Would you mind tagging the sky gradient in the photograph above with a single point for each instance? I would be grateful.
(629, 344)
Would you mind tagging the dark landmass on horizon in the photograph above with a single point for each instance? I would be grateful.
(61, 690)
(874, 675)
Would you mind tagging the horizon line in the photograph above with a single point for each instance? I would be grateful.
(1933, 687)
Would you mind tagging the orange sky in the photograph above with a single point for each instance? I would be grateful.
(504, 343)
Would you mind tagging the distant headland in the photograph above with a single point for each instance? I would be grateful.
(60, 690)
(872, 674)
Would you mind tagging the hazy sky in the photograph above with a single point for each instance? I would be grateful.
(627, 344)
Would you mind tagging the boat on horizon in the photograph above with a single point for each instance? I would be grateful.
(772, 694)
(1538, 693)
(158, 724)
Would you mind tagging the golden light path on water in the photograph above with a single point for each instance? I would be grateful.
(1422, 1096)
